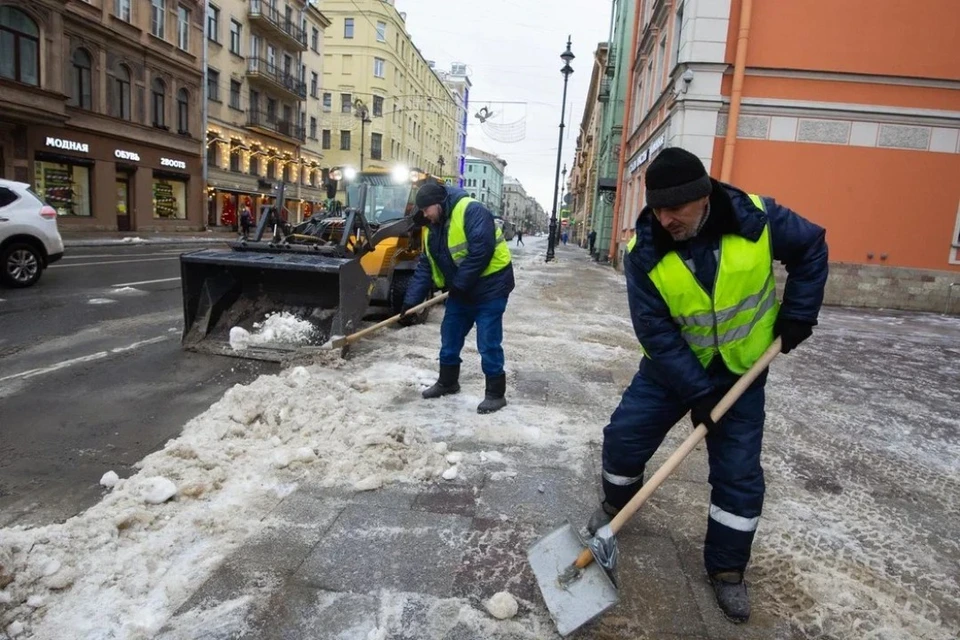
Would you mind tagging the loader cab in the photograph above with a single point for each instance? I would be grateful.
(390, 196)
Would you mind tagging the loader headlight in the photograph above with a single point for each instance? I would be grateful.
(400, 174)
(349, 173)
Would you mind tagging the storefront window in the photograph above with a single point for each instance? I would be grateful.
(65, 187)
(169, 198)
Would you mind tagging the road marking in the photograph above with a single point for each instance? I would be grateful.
(114, 255)
(100, 355)
(93, 264)
(133, 284)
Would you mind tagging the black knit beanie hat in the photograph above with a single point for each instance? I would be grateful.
(676, 177)
(431, 193)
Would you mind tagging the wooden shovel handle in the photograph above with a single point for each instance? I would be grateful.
(353, 337)
(687, 446)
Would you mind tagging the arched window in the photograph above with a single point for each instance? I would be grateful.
(159, 91)
(19, 47)
(121, 79)
(183, 113)
(81, 94)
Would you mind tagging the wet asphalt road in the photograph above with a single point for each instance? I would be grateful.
(92, 377)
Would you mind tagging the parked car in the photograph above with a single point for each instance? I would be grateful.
(29, 240)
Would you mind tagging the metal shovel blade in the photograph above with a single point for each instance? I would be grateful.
(578, 602)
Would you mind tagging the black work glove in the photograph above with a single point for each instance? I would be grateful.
(791, 332)
(700, 411)
(406, 318)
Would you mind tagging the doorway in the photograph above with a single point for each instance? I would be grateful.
(123, 202)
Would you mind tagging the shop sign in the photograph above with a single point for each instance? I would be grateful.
(173, 164)
(120, 154)
(68, 145)
(642, 157)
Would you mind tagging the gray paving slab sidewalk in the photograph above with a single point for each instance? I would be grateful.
(334, 563)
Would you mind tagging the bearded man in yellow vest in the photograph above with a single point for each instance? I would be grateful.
(703, 300)
(466, 254)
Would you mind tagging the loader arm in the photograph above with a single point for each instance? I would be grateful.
(394, 230)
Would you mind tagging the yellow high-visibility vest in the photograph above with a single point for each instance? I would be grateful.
(737, 320)
(457, 243)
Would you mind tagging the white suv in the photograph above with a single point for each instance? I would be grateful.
(29, 240)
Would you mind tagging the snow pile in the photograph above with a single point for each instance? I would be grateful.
(502, 605)
(136, 240)
(121, 568)
(280, 327)
(100, 301)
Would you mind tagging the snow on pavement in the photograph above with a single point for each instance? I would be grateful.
(834, 554)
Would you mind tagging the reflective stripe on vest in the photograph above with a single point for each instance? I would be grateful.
(459, 247)
(737, 320)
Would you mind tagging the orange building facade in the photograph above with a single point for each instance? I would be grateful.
(846, 112)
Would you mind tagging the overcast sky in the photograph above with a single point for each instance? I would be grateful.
(512, 51)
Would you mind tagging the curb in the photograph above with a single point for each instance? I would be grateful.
(112, 242)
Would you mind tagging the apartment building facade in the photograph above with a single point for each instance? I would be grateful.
(264, 64)
(815, 104)
(99, 109)
(483, 178)
(584, 176)
(383, 103)
(458, 83)
(520, 208)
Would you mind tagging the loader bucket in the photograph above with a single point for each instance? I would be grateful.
(223, 288)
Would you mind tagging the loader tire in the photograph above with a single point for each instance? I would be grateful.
(398, 289)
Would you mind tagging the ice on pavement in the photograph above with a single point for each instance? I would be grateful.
(835, 563)
(283, 327)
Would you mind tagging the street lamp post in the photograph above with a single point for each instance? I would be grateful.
(441, 161)
(364, 115)
(567, 56)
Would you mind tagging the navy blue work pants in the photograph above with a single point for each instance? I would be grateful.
(638, 426)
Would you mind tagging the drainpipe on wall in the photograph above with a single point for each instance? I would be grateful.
(625, 136)
(204, 108)
(733, 120)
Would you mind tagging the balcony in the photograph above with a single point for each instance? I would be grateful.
(265, 123)
(265, 16)
(273, 77)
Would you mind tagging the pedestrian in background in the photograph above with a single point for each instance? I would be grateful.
(520, 238)
(245, 220)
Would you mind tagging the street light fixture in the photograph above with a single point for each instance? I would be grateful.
(567, 57)
(364, 115)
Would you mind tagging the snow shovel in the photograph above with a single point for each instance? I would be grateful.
(577, 589)
(342, 341)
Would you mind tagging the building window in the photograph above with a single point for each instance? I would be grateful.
(348, 27)
(81, 95)
(314, 84)
(19, 47)
(183, 28)
(286, 173)
(235, 94)
(325, 138)
(376, 146)
(213, 23)
(213, 85)
(236, 33)
(235, 160)
(315, 40)
(159, 102)
(254, 165)
(381, 31)
(169, 198)
(271, 110)
(122, 9)
(64, 186)
(313, 128)
(327, 101)
(157, 15)
(344, 141)
(346, 103)
(379, 68)
(378, 106)
(183, 112)
(121, 106)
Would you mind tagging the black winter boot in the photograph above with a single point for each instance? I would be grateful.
(494, 400)
(601, 517)
(731, 592)
(449, 382)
